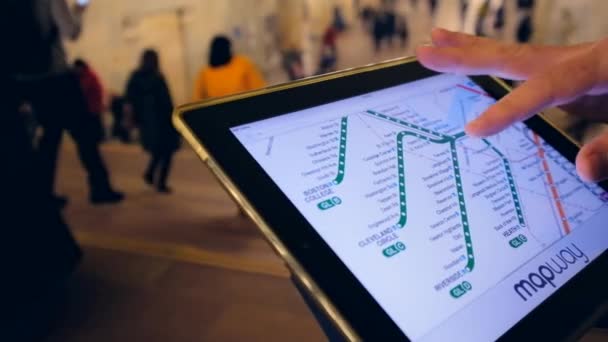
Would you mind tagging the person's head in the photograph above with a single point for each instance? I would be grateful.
(80, 65)
(220, 52)
(149, 61)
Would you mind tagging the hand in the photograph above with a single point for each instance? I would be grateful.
(575, 77)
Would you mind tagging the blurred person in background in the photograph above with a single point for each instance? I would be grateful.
(491, 19)
(384, 24)
(433, 6)
(93, 94)
(119, 129)
(525, 27)
(48, 83)
(148, 99)
(38, 254)
(367, 17)
(226, 73)
(402, 31)
(339, 23)
(329, 50)
(292, 64)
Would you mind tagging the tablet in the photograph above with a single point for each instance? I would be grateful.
(399, 224)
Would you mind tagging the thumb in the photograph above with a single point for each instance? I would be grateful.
(592, 160)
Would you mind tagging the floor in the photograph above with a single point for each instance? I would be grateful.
(179, 267)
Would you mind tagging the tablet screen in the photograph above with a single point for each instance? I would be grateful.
(451, 235)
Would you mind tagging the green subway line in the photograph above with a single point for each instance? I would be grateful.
(419, 128)
(401, 166)
(463, 210)
(457, 176)
(407, 124)
(401, 170)
(458, 135)
(342, 151)
(512, 188)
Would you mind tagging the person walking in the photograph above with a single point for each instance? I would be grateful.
(148, 99)
(93, 93)
(226, 73)
(384, 24)
(39, 254)
(47, 82)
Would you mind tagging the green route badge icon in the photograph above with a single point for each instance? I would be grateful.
(329, 203)
(460, 289)
(518, 241)
(394, 249)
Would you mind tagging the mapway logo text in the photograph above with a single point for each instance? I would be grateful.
(548, 271)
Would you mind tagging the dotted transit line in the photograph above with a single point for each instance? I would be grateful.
(401, 166)
(457, 176)
(407, 124)
(512, 187)
(458, 135)
(401, 170)
(342, 152)
(463, 209)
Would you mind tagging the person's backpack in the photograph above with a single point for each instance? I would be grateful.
(27, 49)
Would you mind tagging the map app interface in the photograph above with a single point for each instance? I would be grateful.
(455, 237)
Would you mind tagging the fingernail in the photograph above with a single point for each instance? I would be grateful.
(477, 128)
(598, 163)
(473, 128)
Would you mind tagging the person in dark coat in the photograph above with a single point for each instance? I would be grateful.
(148, 99)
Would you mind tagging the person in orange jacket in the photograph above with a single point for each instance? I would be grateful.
(226, 73)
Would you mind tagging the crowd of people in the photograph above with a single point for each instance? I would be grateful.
(43, 77)
(145, 105)
(389, 21)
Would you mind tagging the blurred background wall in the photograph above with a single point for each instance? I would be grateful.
(116, 31)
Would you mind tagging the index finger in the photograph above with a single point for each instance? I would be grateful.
(558, 85)
(465, 54)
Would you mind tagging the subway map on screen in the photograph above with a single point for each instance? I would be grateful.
(435, 224)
